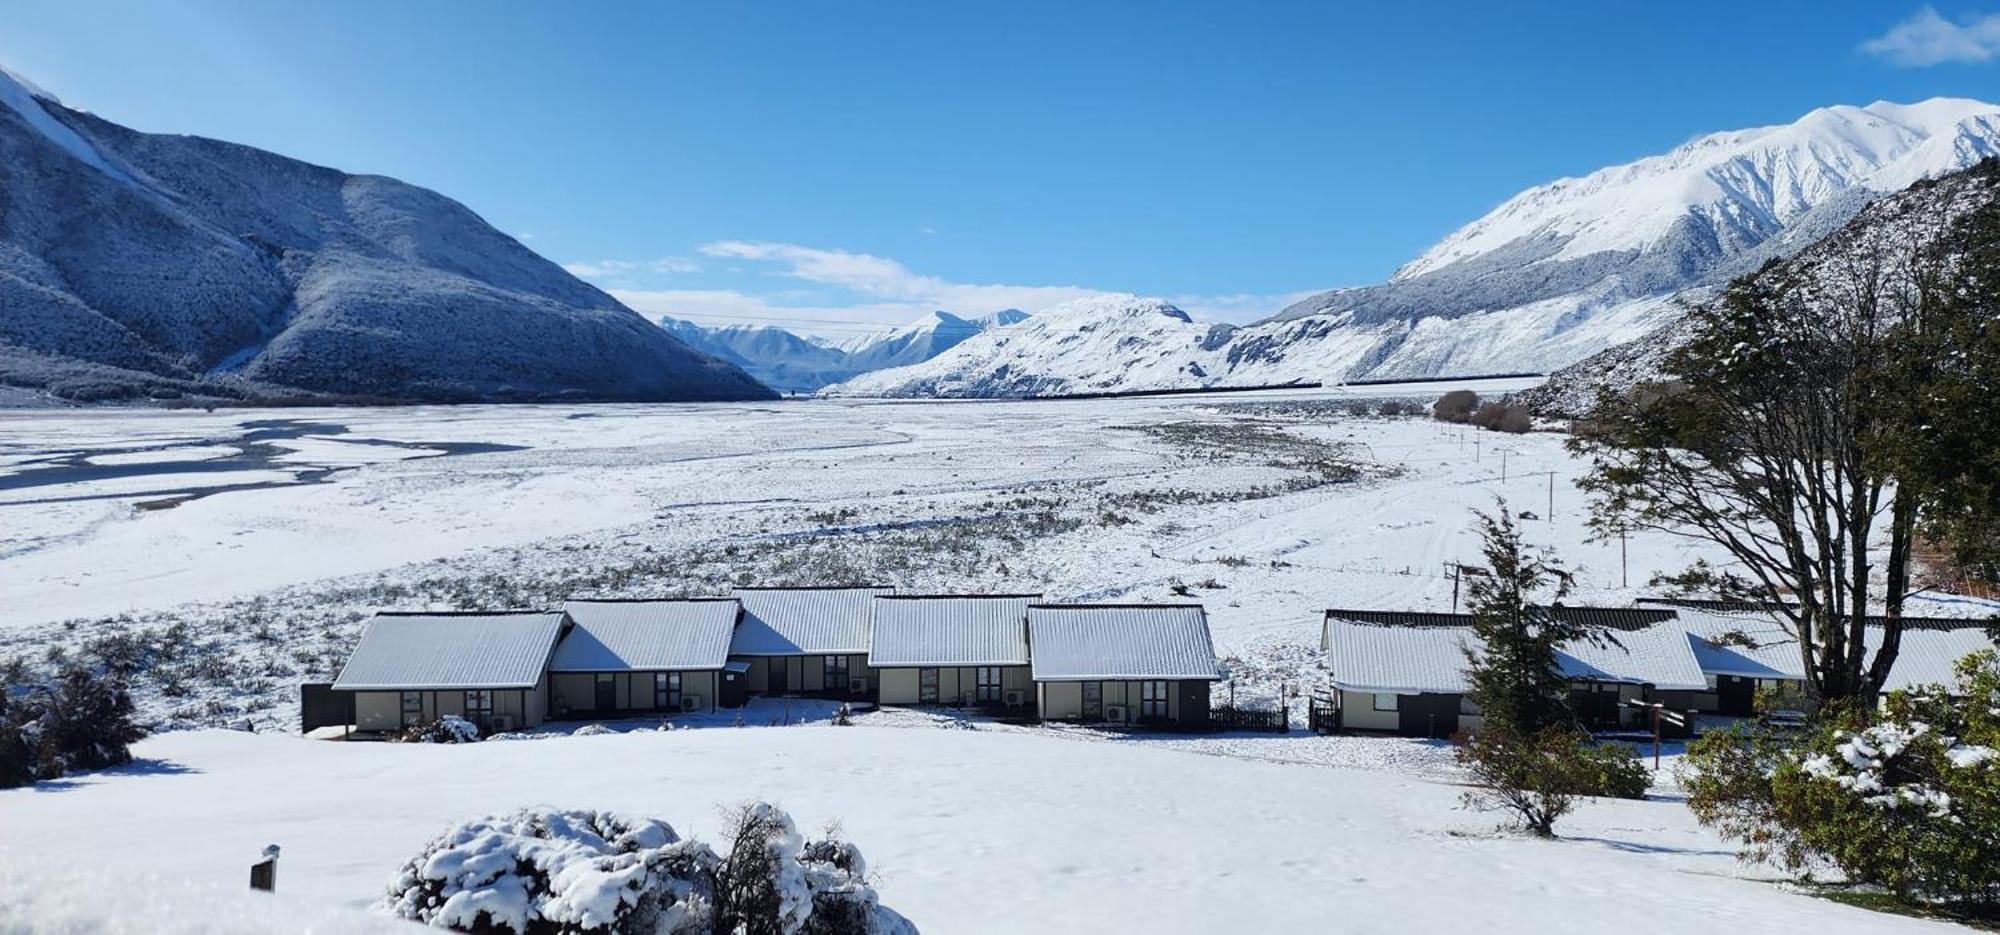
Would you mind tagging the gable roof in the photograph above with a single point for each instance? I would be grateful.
(1930, 648)
(1609, 618)
(626, 636)
(950, 630)
(1406, 657)
(794, 621)
(414, 651)
(1084, 642)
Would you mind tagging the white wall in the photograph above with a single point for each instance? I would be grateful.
(1357, 711)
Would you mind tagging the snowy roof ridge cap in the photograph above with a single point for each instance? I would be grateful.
(644, 600)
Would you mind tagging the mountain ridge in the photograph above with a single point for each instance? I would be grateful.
(136, 265)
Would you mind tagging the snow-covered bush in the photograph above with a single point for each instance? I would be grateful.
(82, 720)
(1611, 769)
(542, 871)
(1909, 801)
(448, 729)
(592, 730)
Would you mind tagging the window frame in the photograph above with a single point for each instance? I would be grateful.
(1155, 707)
(480, 713)
(1395, 701)
(985, 691)
(667, 689)
(830, 665)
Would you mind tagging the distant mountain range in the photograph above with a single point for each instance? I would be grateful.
(792, 363)
(140, 265)
(1554, 275)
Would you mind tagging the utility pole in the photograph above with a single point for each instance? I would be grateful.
(1624, 567)
(1503, 465)
(1552, 497)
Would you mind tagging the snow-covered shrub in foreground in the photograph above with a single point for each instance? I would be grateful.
(592, 730)
(448, 729)
(543, 870)
(1908, 800)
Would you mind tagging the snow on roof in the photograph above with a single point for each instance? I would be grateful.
(1120, 641)
(409, 651)
(794, 621)
(623, 636)
(1930, 655)
(1930, 648)
(950, 630)
(1401, 658)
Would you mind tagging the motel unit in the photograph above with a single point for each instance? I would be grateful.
(806, 641)
(621, 658)
(1122, 663)
(1404, 672)
(952, 649)
(488, 667)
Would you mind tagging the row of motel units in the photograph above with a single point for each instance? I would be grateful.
(1124, 663)
(1405, 671)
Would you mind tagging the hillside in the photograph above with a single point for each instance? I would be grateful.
(145, 265)
(1887, 231)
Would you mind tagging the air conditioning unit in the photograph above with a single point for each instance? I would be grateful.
(1114, 713)
(857, 684)
(690, 702)
(502, 722)
(1016, 697)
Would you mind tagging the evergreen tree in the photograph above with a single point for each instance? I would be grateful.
(1514, 677)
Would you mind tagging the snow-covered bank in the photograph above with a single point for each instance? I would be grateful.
(967, 831)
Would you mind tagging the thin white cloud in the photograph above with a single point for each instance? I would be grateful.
(1927, 38)
(664, 266)
(883, 278)
(842, 293)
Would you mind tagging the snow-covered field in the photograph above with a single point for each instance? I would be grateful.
(1269, 508)
(221, 587)
(965, 830)
(227, 556)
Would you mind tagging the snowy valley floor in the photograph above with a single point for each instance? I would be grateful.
(220, 559)
(226, 557)
(966, 830)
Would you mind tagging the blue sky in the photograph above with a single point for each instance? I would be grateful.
(836, 165)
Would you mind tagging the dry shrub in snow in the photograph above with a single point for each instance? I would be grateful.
(542, 871)
(448, 729)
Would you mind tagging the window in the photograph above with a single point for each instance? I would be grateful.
(836, 673)
(1385, 701)
(667, 690)
(927, 686)
(479, 707)
(1152, 699)
(986, 685)
(1093, 701)
(413, 709)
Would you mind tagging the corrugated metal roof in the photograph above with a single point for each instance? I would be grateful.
(1930, 648)
(618, 636)
(792, 621)
(1929, 655)
(1400, 658)
(452, 650)
(1102, 641)
(950, 630)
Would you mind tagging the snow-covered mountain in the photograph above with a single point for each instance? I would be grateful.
(793, 363)
(1886, 233)
(136, 264)
(1558, 272)
(1061, 350)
